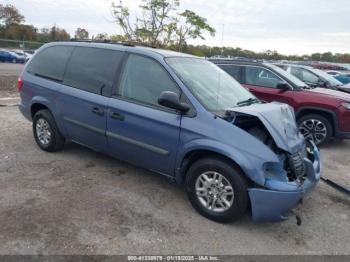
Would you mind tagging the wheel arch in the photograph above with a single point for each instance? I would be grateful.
(36, 107)
(39, 103)
(233, 158)
(328, 114)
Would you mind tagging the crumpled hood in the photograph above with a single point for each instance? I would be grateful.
(279, 120)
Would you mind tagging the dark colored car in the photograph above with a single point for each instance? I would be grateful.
(7, 56)
(175, 114)
(315, 77)
(321, 113)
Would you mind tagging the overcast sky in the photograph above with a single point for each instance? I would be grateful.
(288, 26)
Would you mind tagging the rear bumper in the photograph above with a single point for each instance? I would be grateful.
(278, 198)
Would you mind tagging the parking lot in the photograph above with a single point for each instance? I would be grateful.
(78, 201)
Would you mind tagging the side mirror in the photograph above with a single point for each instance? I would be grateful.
(283, 86)
(172, 100)
(324, 83)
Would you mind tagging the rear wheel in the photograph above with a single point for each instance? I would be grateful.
(315, 128)
(46, 133)
(217, 189)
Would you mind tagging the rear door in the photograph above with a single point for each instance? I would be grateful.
(139, 130)
(262, 82)
(233, 70)
(83, 100)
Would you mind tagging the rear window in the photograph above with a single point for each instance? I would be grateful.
(50, 62)
(93, 69)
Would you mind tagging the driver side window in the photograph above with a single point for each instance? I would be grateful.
(144, 79)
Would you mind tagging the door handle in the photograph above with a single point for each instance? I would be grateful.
(98, 111)
(117, 116)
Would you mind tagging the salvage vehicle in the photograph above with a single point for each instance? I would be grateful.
(177, 115)
(321, 113)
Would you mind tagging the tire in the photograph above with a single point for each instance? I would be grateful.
(316, 128)
(44, 121)
(231, 175)
(14, 61)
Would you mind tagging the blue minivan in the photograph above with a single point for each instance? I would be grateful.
(178, 115)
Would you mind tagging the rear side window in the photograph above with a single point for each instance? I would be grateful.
(93, 69)
(144, 79)
(259, 76)
(50, 62)
(233, 70)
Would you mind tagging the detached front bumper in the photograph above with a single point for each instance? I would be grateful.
(275, 201)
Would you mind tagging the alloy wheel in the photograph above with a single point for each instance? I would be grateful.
(214, 191)
(43, 131)
(314, 130)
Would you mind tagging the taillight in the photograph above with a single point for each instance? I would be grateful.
(19, 84)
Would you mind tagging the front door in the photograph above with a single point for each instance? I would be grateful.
(263, 83)
(139, 130)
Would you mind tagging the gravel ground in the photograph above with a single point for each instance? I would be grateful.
(78, 201)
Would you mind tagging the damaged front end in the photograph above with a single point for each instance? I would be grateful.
(298, 168)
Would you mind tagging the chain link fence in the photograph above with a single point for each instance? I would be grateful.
(19, 45)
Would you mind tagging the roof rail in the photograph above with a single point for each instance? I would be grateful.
(227, 60)
(107, 41)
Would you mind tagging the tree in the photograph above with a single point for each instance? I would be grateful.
(192, 27)
(10, 15)
(153, 27)
(58, 34)
(160, 24)
(20, 32)
(118, 38)
(101, 37)
(81, 33)
(155, 23)
(328, 56)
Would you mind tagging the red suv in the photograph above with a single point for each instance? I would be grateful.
(321, 113)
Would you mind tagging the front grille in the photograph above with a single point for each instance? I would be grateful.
(297, 165)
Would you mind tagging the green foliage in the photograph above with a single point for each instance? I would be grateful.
(10, 15)
(160, 24)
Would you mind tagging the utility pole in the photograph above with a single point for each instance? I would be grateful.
(222, 39)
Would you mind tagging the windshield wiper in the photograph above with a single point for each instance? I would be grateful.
(248, 102)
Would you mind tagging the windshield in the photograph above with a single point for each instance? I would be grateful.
(213, 87)
(296, 81)
(327, 77)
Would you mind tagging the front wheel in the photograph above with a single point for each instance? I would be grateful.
(14, 61)
(217, 189)
(315, 128)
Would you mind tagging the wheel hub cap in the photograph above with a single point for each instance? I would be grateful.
(214, 191)
(314, 130)
(43, 132)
